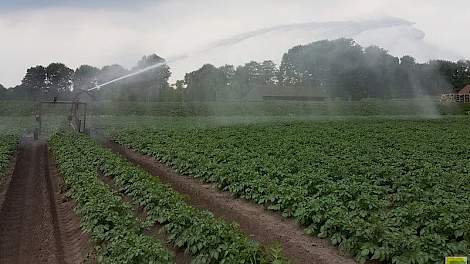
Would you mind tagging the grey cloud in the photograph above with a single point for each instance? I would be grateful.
(101, 34)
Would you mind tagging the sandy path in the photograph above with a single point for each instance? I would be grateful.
(34, 219)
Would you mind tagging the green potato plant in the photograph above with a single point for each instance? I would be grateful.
(397, 191)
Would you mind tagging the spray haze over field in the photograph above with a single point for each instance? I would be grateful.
(398, 36)
(104, 33)
(235, 131)
(239, 51)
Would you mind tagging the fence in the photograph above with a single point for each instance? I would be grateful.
(455, 98)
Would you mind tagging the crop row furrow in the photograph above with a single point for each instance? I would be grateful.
(206, 238)
(395, 191)
(103, 215)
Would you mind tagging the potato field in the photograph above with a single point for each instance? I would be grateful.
(239, 189)
(394, 191)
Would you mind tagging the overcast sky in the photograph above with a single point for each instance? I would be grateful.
(37, 32)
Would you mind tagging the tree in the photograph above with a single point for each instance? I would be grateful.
(58, 80)
(110, 72)
(210, 83)
(3, 92)
(406, 80)
(225, 89)
(162, 84)
(461, 76)
(150, 84)
(433, 81)
(455, 73)
(319, 65)
(180, 87)
(381, 68)
(34, 83)
(85, 77)
(111, 91)
(338, 68)
(269, 73)
(147, 61)
(253, 76)
(342, 68)
(288, 75)
(203, 84)
(242, 82)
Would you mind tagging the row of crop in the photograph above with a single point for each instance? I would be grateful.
(394, 191)
(103, 215)
(8, 145)
(238, 108)
(206, 238)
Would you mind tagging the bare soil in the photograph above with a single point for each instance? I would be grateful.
(36, 224)
(77, 246)
(266, 227)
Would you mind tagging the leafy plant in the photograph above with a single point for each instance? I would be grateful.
(103, 215)
(390, 190)
(206, 238)
(8, 145)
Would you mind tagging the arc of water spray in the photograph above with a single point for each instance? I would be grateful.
(173, 59)
(241, 37)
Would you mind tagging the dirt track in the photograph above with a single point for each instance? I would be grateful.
(263, 226)
(37, 224)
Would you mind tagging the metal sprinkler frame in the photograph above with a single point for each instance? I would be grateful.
(76, 123)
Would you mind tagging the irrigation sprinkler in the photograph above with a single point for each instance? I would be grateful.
(74, 118)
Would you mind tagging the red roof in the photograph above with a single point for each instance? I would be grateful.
(465, 90)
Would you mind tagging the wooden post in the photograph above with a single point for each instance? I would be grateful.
(76, 118)
(84, 118)
(40, 119)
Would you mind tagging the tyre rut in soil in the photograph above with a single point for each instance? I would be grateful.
(30, 230)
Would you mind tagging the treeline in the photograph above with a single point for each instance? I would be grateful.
(342, 68)
(333, 69)
(227, 82)
(59, 82)
(41, 82)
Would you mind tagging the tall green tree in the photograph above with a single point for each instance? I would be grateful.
(253, 76)
(34, 83)
(457, 74)
(269, 73)
(152, 83)
(112, 91)
(381, 68)
(3, 92)
(203, 84)
(180, 87)
(342, 68)
(85, 77)
(225, 90)
(321, 65)
(58, 80)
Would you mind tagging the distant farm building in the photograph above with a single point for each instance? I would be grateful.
(463, 96)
